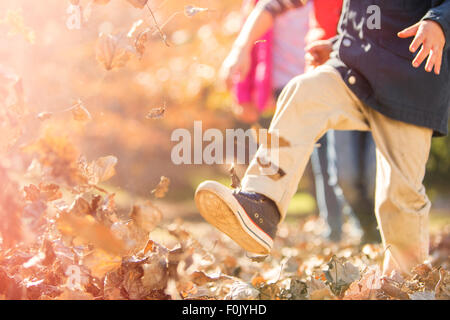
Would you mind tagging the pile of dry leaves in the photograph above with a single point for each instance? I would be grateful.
(63, 239)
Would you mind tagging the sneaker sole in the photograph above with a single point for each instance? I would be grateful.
(220, 208)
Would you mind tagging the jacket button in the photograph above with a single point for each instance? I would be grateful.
(347, 42)
(352, 80)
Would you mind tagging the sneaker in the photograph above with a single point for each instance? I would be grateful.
(250, 219)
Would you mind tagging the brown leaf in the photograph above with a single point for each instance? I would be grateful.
(392, 290)
(104, 168)
(258, 280)
(89, 231)
(156, 113)
(149, 247)
(45, 192)
(155, 272)
(80, 207)
(112, 51)
(32, 193)
(200, 278)
(49, 252)
(257, 258)
(98, 170)
(298, 289)
(50, 191)
(44, 115)
(80, 113)
(58, 155)
(318, 290)
(101, 2)
(146, 216)
(242, 291)
(422, 270)
(11, 209)
(269, 291)
(141, 36)
(100, 262)
(162, 188)
(340, 274)
(367, 287)
(235, 181)
(191, 11)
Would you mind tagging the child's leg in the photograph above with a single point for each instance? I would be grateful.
(401, 204)
(308, 106)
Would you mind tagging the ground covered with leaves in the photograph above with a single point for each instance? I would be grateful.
(62, 238)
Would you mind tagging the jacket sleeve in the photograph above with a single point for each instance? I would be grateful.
(441, 14)
(277, 7)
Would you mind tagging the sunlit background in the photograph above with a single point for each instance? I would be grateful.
(70, 92)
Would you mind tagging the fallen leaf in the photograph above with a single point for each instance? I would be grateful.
(112, 51)
(156, 113)
(191, 11)
(318, 290)
(103, 168)
(242, 291)
(50, 191)
(80, 113)
(100, 262)
(424, 295)
(200, 278)
(146, 216)
(340, 274)
(235, 181)
(162, 188)
(32, 193)
(44, 115)
(367, 287)
(80, 207)
(91, 232)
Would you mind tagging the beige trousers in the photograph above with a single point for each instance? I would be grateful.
(320, 100)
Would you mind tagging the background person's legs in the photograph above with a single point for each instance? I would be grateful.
(356, 167)
(323, 161)
(401, 205)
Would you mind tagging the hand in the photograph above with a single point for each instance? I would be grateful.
(430, 35)
(236, 63)
(318, 52)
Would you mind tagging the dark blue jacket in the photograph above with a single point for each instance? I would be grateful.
(376, 63)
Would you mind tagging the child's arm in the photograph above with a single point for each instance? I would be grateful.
(433, 34)
(257, 24)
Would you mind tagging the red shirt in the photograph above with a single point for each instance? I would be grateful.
(324, 19)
